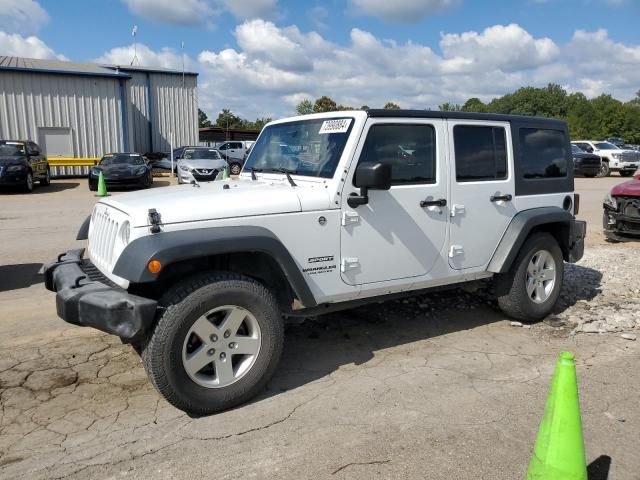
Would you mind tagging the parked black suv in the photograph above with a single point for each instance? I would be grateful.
(22, 163)
(585, 163)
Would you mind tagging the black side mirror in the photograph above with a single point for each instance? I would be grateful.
(370, 176)
(589, 149)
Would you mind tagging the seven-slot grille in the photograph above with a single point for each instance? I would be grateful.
(104, 230)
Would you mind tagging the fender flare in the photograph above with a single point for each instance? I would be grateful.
(519, 229)
(172, 247)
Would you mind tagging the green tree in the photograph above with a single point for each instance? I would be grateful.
(228, 119)
(203, 120)
(391, 106)
(324, 104)
(305, 107)
(364, 107)
(473, 105)
(449, 107)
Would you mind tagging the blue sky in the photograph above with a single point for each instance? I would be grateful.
(259, 57)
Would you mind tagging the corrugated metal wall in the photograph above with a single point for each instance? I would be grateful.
(174, 109)
(89, 106)
(139, 112)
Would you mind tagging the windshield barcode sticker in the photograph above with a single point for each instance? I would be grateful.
(335, 126)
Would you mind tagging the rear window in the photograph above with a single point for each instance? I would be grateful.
(543, 153)
(481, 153)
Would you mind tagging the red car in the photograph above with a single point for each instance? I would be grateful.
(621, 218)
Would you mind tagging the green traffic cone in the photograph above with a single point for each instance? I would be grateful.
(558, 453)
(225, 173)
(102, 187)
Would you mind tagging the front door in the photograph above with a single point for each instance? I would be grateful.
(482, 190)
(398, 234)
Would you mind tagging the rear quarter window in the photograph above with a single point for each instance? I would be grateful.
(543, 153)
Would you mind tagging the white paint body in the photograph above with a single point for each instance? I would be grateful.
(390, 245)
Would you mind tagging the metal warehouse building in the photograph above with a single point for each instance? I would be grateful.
(78, 112)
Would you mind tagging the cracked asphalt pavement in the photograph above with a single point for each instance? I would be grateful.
(439, 386)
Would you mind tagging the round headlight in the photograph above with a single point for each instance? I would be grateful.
(125, 232)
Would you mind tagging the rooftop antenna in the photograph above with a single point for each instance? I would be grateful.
(135, 46)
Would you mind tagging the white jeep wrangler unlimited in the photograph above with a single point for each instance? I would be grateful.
(330, 211)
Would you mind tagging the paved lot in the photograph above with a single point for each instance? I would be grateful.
(436, 387)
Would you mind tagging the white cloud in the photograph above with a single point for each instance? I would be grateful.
(401, 10)
(164, 58)
(509, 47)
(16, 45)
(22, 16)
(199, 12)
(250, 8)
(273, 68)
(179, 12)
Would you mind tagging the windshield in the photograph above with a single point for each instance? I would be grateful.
(308, 147)
(201, 154)
(606, 146)
(122, 159)
(576, 149)
(11, 149)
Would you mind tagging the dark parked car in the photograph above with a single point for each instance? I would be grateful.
(621, 218)
(584, 163)
(21, 164)
(122, 170)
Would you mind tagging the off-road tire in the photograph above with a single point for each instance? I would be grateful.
(626, 173)
(183, 304)
(515, 301)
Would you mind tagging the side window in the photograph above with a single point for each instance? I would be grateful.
(480, 152)
(543, 153)
(410, 149)
(236, 145)
(224, 146)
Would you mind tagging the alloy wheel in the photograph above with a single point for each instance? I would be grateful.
(541, 276)
(221, 346)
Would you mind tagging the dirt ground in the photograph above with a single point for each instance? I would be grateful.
(437, 387)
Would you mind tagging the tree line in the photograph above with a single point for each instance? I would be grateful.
(596, 118)
(228, 119)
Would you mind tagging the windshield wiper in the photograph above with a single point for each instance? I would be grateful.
(279, 170)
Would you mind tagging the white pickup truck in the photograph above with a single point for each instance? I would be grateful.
(614, 159)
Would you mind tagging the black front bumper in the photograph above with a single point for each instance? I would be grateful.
(86, 298)
(619, 227)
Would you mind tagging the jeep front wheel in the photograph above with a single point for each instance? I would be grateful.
(217, 343)
(536, 278)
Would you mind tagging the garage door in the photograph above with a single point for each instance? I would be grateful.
(56, 142)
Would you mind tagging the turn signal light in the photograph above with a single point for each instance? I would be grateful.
(154, 266)
(576, 203)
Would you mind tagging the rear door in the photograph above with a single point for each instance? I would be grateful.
(482, 190)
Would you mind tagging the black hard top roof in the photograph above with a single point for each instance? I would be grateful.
(491, 117)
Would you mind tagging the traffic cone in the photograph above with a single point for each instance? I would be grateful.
(225, 173)
(558, 453)
(102, 187)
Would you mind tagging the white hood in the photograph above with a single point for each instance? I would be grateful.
(244, 197)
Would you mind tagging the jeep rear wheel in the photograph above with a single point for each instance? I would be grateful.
(217, 343)
(536, 278)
